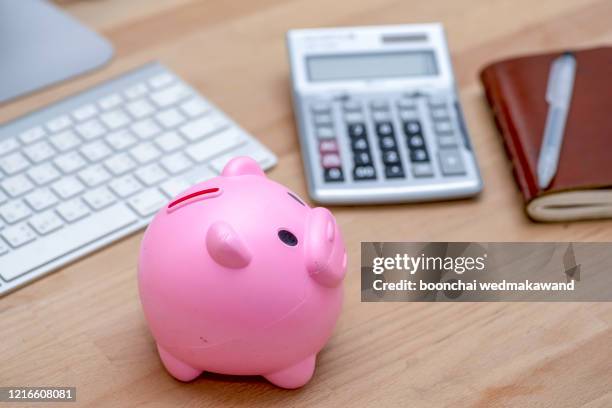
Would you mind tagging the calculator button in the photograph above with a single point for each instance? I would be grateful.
(451, 162)
(364, 173)
(351, 106)
(330, 160)
(443, 127)
(394, 171)
(439, 113)
(354, 117)
(325, 132)
(333, 175)
(406, 104)
(436, 101)
(391, 157)
(356, 130)
(320, 107)
(328, 146)
(379, 105)
(416, 141)
(384, 129)
(359, 144)
(412, 127)
(422, 170)
(323, 119)
(447, 141)
(387, 143)
(419, 155)
(362, 158)
(407, 115)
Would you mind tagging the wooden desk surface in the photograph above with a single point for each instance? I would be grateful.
(83, 326)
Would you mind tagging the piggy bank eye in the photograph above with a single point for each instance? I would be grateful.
(287, 237)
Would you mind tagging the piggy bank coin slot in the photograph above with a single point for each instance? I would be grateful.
(296, 198)
(207, 193)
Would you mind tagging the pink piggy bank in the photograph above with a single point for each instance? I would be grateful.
(238, 276)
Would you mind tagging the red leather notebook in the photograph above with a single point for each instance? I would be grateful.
(516, 90)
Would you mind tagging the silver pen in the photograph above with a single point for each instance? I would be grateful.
(559, 96)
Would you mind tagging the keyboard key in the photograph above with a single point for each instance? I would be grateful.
(41, 199)
(447, 140)
(14, 211)
(46, 222)
(4, 248)
(125, 186)
(85, 112)
(140, 108)
(364, 173)
(39, 151)
(110, 101)
(330, 160)
(65, 140)
(333, 175)
(251, 150)
(44, 173)
(145, 129)
(359, 144)
(442, 127)
(3, 199)
(412, 127)
(91, 129)
(170, 118)
(203, 126)
(94, 175)
(394, 171)
(198, 175)
(114, 119)
(59, 123)
(328, 146)
(136, 91)
(145, 152)
(13, 163)
(325, 132)
(387, 143)
(99, 198)
(215, 145)
(70, 162)
(194, 107)
(161, 80)
(30, 136)
(147, 202)
(66, 240)
(8, 145)
(384, 129)
(17, 236)
(17, 185)
(390, 157)
(170, 96)
(151, 174)
(169, 141)
(174, 186)
(68, 187)
(72, 210)
(119, 164)
(419, 155)
(121, 139)
(176, 163)
(451, 162)
(96, 150)
(422, 170)
(356, 130)
(415, 141)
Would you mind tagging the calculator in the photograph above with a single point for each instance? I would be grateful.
(378, 115)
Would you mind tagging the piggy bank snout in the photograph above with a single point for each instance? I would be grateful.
(325, 253)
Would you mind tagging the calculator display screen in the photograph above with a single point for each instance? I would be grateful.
(371, 66)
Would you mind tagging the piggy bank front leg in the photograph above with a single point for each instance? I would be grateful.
(294, 376)
(178, 369)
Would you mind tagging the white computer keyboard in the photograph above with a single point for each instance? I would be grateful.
(96, 167)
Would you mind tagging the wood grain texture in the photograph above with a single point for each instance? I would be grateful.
(83, 326)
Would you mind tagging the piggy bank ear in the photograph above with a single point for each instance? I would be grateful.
(242, 165)
(225, 246)
(325, 253)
